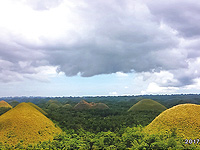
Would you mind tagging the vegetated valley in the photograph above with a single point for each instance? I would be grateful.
(112, 122)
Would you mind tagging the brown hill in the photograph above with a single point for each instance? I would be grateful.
(82, 105)
(25, 123)
(184, 119)
(85, 105)
(5, 104)
(99, 106)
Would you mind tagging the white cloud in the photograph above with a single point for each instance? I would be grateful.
(121, 74)
(154, 88)
(113, 93)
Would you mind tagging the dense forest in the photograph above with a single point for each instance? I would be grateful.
(113, 128)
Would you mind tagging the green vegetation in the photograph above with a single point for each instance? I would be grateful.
(113, 128)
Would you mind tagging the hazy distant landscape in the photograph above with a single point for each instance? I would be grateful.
(103, 122)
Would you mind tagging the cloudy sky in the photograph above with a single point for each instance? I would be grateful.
(101, 47)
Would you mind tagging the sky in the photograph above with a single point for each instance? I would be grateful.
(101, 47)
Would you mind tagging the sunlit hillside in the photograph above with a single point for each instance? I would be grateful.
(85, 105)
(147, 105)
(82, 105)
(183, 119)
(67, 106)
(26, 124)
(5, 104)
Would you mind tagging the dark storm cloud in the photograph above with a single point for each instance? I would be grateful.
(182, 15)
(118, 38)
(104, 37)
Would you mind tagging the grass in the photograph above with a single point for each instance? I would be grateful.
(147, 105)
(25, 123)
(5, 104)
(183, 120)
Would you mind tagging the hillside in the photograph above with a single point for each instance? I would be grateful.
(184, 119)
(82, 105)
(24, 122)
(147, 105)
(99, 106)
(85, 105)
(5, 104)
(4, 107)
(67, 106)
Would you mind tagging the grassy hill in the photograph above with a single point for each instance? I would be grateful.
(5, 104)
(147, 105)
(85, 105)
(4, 107)
(25, 123)
(82, 105)
(99, 106)
(183, 119)
(67, 106)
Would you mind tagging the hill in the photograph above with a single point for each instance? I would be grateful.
(5, 104)
(25, 123)
(99, 106)
(4, 107)
(83, 105)
(67, 106)
(147, 105)
(184, 119)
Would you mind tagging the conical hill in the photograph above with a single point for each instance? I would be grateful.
(99, 106)
(5, 104)
(148, 105)
(67, 106)
(82, 105)
(25, 123)
(183, 119)
(85, 105)
(4, 107)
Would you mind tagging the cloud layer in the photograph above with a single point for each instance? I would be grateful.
(101, 37)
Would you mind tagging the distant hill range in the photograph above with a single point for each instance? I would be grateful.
(85, 105)
(183, 120)
(25, 123)
(147, 105)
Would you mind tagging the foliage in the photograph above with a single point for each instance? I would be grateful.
(131, 138)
